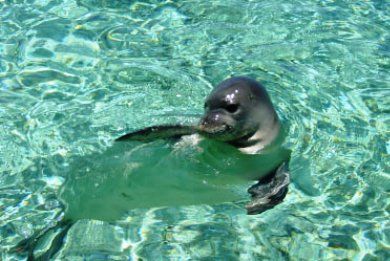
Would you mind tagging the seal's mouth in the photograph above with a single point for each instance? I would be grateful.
(213, 130)
(222, 132)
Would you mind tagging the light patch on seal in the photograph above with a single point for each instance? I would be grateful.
(231, 97)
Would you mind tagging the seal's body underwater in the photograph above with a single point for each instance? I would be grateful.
(239, 111)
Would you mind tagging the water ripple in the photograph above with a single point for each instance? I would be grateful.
(76, 74)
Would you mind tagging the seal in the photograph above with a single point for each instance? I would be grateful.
(239, 111)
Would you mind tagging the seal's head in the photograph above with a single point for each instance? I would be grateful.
(239, 111)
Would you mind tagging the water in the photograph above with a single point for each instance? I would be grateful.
(77, 74)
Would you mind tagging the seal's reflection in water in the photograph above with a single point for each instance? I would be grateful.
(145, 175)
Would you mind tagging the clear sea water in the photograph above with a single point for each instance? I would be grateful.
(75, 75)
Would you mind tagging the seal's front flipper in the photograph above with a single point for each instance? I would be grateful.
(159, 132)
(269, 191)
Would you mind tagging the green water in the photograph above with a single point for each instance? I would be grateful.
(74, 75)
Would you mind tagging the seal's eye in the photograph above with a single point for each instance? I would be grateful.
(232, 108)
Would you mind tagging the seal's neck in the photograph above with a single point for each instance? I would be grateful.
(267, 133)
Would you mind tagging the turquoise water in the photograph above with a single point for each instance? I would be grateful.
(75, 75)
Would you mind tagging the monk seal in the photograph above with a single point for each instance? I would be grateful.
(239, 112)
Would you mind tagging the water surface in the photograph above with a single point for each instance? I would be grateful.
(74, 75)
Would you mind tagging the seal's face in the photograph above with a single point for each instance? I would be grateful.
(234, 110)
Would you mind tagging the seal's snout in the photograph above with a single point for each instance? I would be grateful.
(213, 120)
(214, 123)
